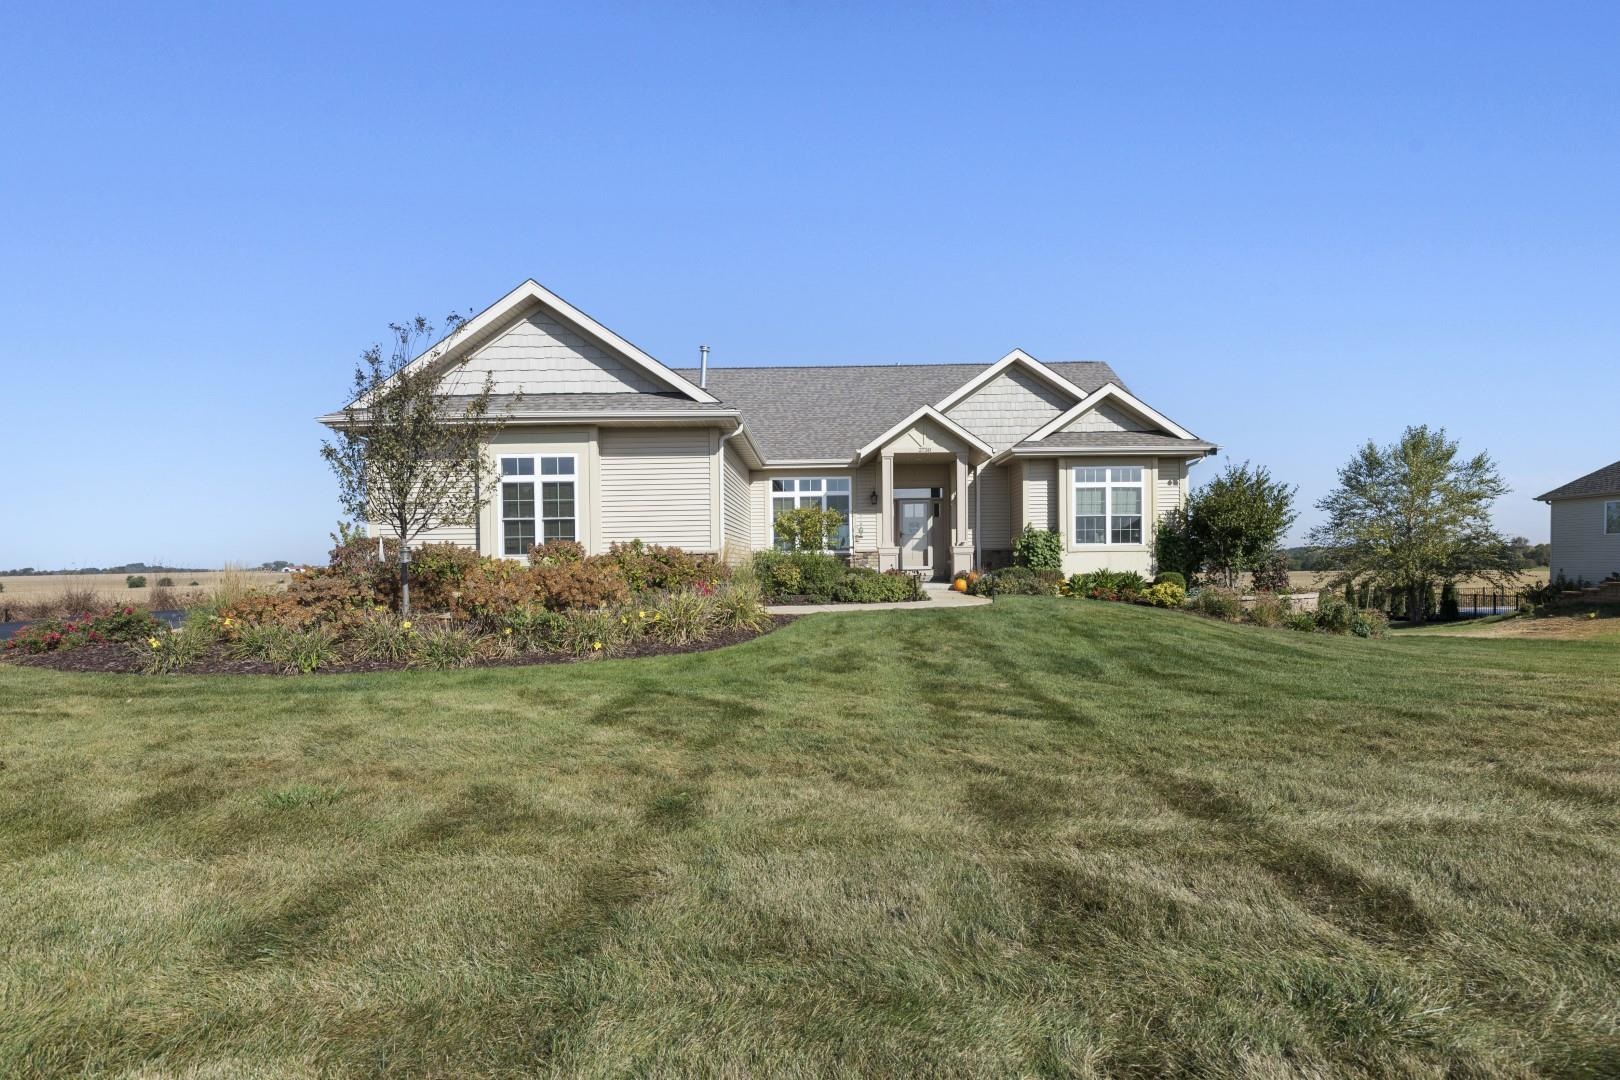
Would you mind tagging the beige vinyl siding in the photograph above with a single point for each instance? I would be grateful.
(738, 509)
(1581, 550)
(990, 508)
(656, 486)
(866, 515)
(538, 355)
(1006, 409)
(1040, 493)
(465, 535)
(1170, 491)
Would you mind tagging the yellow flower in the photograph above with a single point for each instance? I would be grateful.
(229, 622)
(643, 614)
(506, 631)
(405, 624)
(597, 645)
(382, 607)
(154, 642)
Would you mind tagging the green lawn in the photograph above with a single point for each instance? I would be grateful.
(1048, 837)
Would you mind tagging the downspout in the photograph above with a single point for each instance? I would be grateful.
(741, 424)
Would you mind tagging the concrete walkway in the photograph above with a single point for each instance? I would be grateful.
(936, 595)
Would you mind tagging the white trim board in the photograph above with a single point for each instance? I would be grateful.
(926, 412)
(1119, 394)
(1017, 356)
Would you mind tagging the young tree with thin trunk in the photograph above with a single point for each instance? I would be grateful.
(1412, 515)
(408, 456)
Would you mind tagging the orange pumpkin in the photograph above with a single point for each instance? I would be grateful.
(960, 584)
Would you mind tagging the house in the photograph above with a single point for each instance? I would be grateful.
(1586, 526)
(936, 467)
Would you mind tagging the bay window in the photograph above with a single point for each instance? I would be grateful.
(1108, 504)
(823, 492)
(537, 501)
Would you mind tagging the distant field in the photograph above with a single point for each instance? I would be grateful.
(1310, 579)
(32, 587)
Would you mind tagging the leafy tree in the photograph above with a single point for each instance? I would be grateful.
(808, 528)
(407, 455)
(1413, 514)
(1235, 521)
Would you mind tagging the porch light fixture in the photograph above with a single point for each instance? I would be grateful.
(874, 497)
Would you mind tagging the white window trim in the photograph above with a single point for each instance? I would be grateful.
(1109, 486)
(1606, 505)
(537, 478)
(772, 495)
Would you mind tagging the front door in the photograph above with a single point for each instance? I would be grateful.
(916, 521)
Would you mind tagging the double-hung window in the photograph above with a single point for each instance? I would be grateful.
(1108, 505)
(1611, 518)
(823, 492)
(537, 501)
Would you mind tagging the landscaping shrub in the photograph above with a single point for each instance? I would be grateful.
(556, 551)
(380, 636)
(1333, 614)
(1171, 576)
(1268, 609)
(863, 585)
(443, 647)
(592, 582)
(1125, 585)
(1038, 549)
(1303, 621)
(1369, 624)
(682, 617)
(738, 605)
(1271, 574)
(798, 574)
(165, 582)
(176, 650)
(119, 625)
(1166, 594)
(135, 581)
(592, 634)
(1219, 603)
(646, 567)
(438, 571)
(1175, 549)
(533, 629)
(1449, 608)
(1019, 581)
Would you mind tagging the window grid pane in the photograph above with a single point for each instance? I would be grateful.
(1611, 518)
(1090, 529)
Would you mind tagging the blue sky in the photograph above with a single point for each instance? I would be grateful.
(1289, 226)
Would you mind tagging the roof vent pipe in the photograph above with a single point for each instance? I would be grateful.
(703, 367)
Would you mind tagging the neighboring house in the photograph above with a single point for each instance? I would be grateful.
(936, 467)
(1586, 526)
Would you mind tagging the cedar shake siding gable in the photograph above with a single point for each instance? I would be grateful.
(1006, 409)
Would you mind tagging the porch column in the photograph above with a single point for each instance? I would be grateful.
(888, 550)
(961, 547)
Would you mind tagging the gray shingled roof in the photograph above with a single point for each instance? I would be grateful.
(585, 404)
(1132, 440)
(828, 412)
(1605, 481)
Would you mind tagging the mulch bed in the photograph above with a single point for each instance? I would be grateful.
(126, 659)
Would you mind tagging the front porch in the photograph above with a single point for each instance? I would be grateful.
(923, 496)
